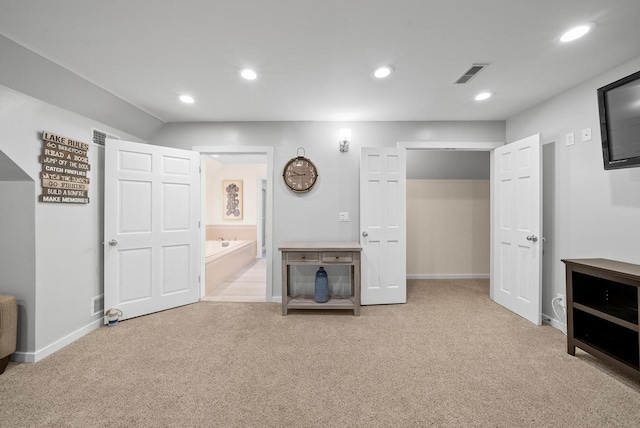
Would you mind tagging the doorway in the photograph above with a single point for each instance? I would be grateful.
(234, 267)
(448, 214)
(516, 221)
(457, 147)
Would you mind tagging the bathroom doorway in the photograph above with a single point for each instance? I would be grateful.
(236, 224)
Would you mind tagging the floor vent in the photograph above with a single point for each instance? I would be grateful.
(97, 305)
(98, 137)
(475, 69)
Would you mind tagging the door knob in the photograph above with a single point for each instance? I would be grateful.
(365, 234)
(113, 242)
(532, 238)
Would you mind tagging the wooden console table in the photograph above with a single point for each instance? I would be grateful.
(321, 254)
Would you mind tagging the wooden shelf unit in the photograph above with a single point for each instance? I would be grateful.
(602, 311)
(321, 254)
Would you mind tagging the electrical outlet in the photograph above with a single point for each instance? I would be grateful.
(344, 216)
(561, 300)
(586, 134)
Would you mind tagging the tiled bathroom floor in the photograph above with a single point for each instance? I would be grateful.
(248, 285)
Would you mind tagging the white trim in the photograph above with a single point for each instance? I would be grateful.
(34, 357)
(268, 151)
(259, 216)
(465, 147)
(449, 276)
(449, 145)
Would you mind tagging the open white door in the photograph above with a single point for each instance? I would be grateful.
(517, 228)
(151, 227)
(382, 223)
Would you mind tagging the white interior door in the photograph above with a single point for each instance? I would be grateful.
(517, 228)
(152, 213)
(382, 224)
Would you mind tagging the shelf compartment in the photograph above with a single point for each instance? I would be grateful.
(609, 338)
(609, 297)
(610, 318)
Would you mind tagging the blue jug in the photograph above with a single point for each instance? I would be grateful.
(322, 286)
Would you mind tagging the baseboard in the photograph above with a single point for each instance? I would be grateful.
(552, 322)
(34, 357)
(449, 276)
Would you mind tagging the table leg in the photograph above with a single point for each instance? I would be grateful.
(285, 284)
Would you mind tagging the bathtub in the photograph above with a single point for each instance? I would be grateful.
(221, 263)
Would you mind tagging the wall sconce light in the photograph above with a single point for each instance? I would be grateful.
(345, 137)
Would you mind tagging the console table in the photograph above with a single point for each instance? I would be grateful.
(321, 254)
(602, 311)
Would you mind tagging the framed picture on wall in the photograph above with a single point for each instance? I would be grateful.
(232, 199)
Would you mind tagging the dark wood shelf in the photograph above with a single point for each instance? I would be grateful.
(606, 316)
(602, 311)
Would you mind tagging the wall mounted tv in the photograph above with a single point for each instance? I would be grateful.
(619, 105)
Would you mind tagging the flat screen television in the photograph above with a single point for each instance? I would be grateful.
(619, 105)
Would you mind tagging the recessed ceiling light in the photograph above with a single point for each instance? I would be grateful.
(248, 74)
(483, 96)
(382, 72)
(215, 156)
(187, 99)
(575, 33)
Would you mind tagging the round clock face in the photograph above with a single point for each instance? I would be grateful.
(300, 174)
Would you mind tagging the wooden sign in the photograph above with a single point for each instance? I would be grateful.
(65, 163)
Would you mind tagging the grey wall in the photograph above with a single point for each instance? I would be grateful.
(313, 216)
(68, 238)
(31, 74)
(589, 212)
(18, 254)
(447, 165)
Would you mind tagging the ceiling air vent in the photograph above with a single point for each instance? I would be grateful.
(98, 137)
(475, 69)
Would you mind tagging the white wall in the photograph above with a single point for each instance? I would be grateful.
(313, 216)
(448, 228)
(68, 238)
(589, 212)
(248, 173)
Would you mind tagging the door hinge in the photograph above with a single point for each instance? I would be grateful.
(198, 279)
(198, 225)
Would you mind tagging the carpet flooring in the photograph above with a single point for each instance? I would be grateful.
(450, 357)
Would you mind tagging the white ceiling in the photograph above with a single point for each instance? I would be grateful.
(315, 58)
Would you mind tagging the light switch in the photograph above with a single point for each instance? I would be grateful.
(570, 139)
(344, 216)
(586, 134)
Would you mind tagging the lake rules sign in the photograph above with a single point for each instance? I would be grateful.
(65, 164)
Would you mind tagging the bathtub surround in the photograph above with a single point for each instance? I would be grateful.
(230, 232)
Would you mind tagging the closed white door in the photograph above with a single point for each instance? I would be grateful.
(517, 228)
(382, 225)
(152, 213)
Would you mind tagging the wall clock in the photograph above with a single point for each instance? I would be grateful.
(300, 174)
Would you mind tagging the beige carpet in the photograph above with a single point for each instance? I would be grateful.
(448, 358)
